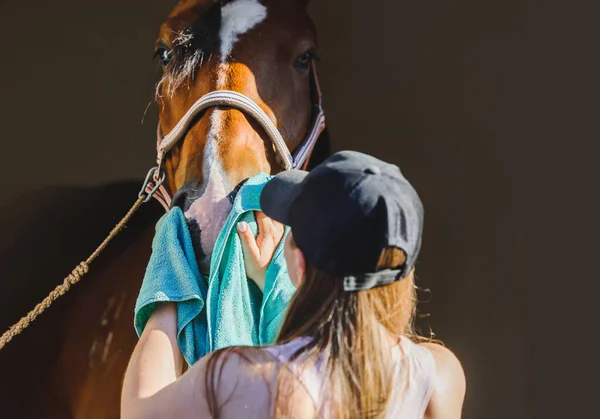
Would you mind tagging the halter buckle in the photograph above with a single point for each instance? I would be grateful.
(150, 177)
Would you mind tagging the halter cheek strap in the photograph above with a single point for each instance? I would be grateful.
(304, 150)
(297, 160)
(153, 186)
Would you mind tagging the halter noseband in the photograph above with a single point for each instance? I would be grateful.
(153, 186)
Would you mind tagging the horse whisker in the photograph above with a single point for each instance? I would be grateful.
(145, 112)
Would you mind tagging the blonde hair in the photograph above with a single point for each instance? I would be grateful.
(347, 326)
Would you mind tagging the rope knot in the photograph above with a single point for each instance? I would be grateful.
(77, 273)
(71, 279)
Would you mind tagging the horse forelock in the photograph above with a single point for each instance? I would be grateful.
(190, 46)
(219, 24)
(224, 146)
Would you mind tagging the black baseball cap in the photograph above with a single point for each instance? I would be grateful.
(345, 212)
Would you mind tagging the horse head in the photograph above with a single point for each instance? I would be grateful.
(263, 49)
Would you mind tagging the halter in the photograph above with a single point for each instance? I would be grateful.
(153, 185)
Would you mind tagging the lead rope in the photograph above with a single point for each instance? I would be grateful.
(148, 189)
(154, 179)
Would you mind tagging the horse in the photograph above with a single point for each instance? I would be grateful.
(70, 362)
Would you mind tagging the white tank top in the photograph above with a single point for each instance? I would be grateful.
(408, 400)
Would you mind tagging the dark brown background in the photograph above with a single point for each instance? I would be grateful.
(475, 100)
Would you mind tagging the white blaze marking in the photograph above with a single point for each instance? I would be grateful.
(222, 70)
(237, 18)
(212, 208)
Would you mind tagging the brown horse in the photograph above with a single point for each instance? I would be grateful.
(70, 362)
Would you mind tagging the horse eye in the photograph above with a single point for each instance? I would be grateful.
(303, 62)
(163, 54)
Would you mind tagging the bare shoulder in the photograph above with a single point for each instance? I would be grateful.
(448, 365)
(450, 384)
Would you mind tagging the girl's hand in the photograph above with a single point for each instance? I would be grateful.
(259, 252)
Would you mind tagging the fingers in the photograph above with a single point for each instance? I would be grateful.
(259, 252)
(249, 247)
(270, 232)
(255, 269)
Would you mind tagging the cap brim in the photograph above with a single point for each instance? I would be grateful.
(279, 193)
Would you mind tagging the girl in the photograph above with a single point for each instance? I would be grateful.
(346, 348)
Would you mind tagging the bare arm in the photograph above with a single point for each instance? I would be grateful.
(154, 386)
(245, 388)
(155, 363)
(450, 385)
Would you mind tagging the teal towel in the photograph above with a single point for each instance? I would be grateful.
(227, 309)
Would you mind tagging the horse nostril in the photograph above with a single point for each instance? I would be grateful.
(181, 198)
(231, 195)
